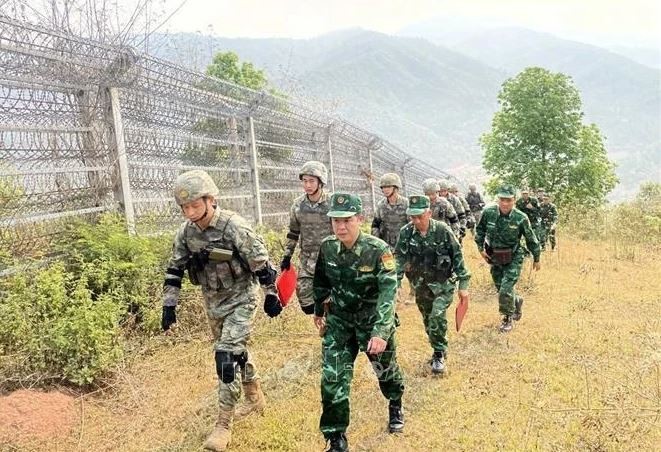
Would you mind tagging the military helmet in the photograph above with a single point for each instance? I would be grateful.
(472, 187)
(390, 180)
(316, 169)
(443, 184)
(430, 185)
(193, 185)
(453, 188)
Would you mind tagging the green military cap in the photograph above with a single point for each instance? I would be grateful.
(506, 191)
(417, 205)
(344, 205)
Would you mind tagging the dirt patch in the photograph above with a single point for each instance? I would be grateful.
(36, 415)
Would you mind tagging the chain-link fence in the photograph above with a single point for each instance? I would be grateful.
(87, 127)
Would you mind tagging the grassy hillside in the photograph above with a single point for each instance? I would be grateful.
(581, 371)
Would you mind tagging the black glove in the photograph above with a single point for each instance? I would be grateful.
(286, 263)
(272, 305)
(169, 317)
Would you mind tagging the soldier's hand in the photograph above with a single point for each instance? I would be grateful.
(286, 263)
(168, 318)
(529, 206)
(536, 266)
(376, 345)
(486, 257)
(272, 305)
(319, 322)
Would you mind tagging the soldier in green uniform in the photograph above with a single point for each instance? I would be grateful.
(441, 209)
(430, 255)
(356, 273)
(224, 256)
(498, 238)
(549, 216)
(309, 225)
(530, 206)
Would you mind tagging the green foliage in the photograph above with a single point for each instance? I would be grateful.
(226, 66)
(538, 139)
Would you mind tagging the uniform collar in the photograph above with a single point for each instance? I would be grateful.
(431, 229)
(322, 198)
(357, 247)
(214, 218)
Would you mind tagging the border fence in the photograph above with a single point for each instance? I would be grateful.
(87, 127)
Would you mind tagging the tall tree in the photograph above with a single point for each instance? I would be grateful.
(226, 66)
(538, 139)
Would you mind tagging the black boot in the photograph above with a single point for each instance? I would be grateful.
(518, 313)
(338, 443)
(438, 363)
(396, 417)
(506, 325)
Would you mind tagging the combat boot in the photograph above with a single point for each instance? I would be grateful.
(338, 443)
(518, 313)
(221, 436)
(438, 363)
(254, 402)
(506, 324)
(395, 417)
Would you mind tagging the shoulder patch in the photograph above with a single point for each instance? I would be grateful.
(388, 261)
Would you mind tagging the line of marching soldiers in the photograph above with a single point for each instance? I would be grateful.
(348, 280)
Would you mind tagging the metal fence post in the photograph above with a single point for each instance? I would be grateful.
(254, 171)
(123, 191)
(371, 178)
(329, 145)
(404, 189)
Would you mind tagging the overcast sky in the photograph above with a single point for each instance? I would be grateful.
(628, 21)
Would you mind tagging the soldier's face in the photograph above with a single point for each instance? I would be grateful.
(443, 193)
(196, 210)
(347, 229)
(310, 184)
(505, 205)
(387, 190)
(421, 222)
(432, 196)
(525, 196)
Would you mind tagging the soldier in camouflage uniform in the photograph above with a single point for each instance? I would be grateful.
(430, 255)
(456, 203)
(390, 216)
(530, 206)
(309, 224)
(224, 256)
(549, 216)
(441, 209)
(498, 237)
(356, 273)
(470, 220)
(475, 203)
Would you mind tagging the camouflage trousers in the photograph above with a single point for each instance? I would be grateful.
(304, 291)
(433, 304)
(505, 278)
(547, 235)
(343, 339)
(231, 315)
(477, 214)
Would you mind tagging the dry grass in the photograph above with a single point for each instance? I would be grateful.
(581, 371)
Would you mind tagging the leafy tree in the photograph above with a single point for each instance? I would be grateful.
(538, 139)
(225, 66)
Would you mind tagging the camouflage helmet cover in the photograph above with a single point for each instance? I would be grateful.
(430, 185)
(443, 184)
(193, 185)
(453, 188)
(472, 187)
(316, 169)
(390, 180)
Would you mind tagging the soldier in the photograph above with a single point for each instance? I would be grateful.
(540, 195)
(441, 209)
(549, 216)
(357, 272)
(498, 238)
(308, 223)
(475, 203)
(529, 206)
(390, 215)
(429, 254)
(224, 256)
(456, 203)
(470, 220)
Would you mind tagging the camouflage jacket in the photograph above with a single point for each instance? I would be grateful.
(475, 201)
(531, 212)
(361, 282)
(459, 208)
(227, 231)
(442, 210)
(309, 225)
(389, 219)
(548, 213)
(505, 231)
(430, 259)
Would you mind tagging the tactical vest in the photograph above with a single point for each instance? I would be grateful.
(431, 261)
(474, 200)
(392, 220)
(315, 225)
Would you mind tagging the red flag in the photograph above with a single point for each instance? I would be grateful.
(286, 284)
(460, 311)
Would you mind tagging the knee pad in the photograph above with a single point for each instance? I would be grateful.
(225, 366)
(309, 309)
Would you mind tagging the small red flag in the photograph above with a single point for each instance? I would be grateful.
(286, 284)
(461, 310)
